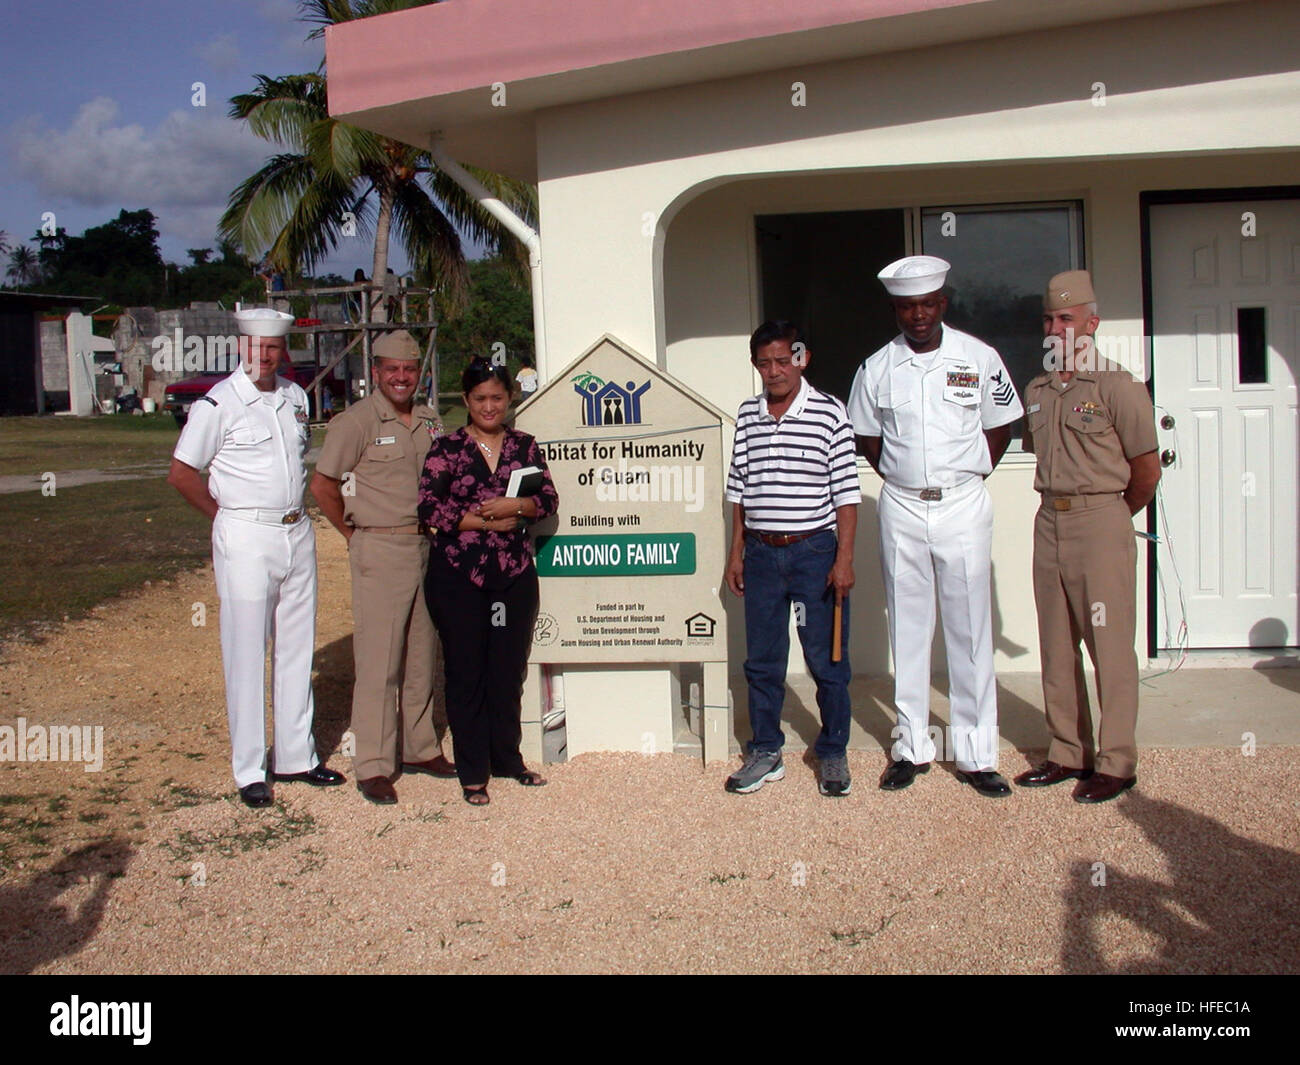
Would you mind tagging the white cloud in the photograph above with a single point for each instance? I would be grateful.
(191, 158)
(222, 54)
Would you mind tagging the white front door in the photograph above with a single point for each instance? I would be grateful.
(1226, 308)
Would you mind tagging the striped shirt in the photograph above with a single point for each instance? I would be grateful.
(790, 474)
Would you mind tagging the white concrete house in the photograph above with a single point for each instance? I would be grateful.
(703, 166)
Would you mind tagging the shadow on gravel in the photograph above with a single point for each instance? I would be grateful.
(1231, 909)
(332, 687)
(36, 927)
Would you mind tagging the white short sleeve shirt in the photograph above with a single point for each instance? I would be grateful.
(256, 449)
(931, 410)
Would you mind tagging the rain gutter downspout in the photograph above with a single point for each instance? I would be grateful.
(526, 234)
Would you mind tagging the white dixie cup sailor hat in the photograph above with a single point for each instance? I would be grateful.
(263, 322)
(915, 275)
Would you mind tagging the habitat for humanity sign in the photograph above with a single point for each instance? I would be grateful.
(630, 565)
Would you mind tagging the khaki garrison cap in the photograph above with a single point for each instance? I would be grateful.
(1070, 289)
(396, 345)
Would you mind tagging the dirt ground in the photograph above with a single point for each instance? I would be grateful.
(624, 863)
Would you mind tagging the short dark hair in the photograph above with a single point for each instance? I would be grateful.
(480, 370)
(771, 331)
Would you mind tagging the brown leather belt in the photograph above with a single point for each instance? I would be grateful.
(782, 539)
(1064, 503)
(391, 530)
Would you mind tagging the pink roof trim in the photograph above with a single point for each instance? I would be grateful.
(466, 44)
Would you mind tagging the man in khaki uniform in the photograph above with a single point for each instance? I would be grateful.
(1093, 429)
(367, 484)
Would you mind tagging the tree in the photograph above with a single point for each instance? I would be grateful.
(497, 319)
(23, 267)
(118, 261)
(334, 180)
(199, 256)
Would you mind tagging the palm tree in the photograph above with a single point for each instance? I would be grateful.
(332, 176)
(23, 267)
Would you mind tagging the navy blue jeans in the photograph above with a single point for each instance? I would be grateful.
(775, 579)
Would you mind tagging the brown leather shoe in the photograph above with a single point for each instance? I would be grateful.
(435, 767)
(1100, 786)
(378, 790)
(1050, 773)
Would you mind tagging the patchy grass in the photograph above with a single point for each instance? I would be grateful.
(113, 441)
(854, 937)
(722, 878)
(62, 555)
(183, 795)
(272, 827)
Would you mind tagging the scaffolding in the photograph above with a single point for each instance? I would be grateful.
(368, 310)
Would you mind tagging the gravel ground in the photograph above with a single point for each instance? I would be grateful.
(625, 863)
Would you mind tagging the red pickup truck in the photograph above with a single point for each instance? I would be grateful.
(181, 395)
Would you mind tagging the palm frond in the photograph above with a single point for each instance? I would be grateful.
(431, 242)
(284, 109)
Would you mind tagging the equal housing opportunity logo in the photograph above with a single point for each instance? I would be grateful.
(53, 743)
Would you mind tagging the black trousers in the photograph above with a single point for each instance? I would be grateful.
(486, 634)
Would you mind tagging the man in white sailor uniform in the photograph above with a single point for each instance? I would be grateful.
(251, 431)
(932, 411)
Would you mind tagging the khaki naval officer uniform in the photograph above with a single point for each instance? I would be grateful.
(1084, 431)
(395, 647)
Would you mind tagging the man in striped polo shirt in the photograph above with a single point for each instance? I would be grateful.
(793, 486)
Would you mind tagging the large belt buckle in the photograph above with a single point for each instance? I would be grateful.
(1060, 504)
(931, 495)
(291, 518)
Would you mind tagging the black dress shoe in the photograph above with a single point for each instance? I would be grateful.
(1050, 773)
(319, 776)
(986, 782)
(256, 795)
(899, 774)
(1100, 787)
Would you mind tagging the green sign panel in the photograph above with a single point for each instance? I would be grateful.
(634, 555)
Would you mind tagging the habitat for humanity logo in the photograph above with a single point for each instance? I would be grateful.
(605, 403)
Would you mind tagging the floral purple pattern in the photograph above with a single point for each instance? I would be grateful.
(456, 478)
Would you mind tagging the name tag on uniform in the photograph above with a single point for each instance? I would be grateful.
(385, 440)
(1033, 408)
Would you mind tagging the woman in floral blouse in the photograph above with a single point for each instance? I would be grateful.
(481, 584)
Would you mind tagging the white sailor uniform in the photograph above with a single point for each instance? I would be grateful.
(264, 559)
(936, 521)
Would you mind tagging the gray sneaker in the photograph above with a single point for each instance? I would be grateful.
(759, 768)
(835, 779)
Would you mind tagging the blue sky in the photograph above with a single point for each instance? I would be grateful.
(96, 113)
